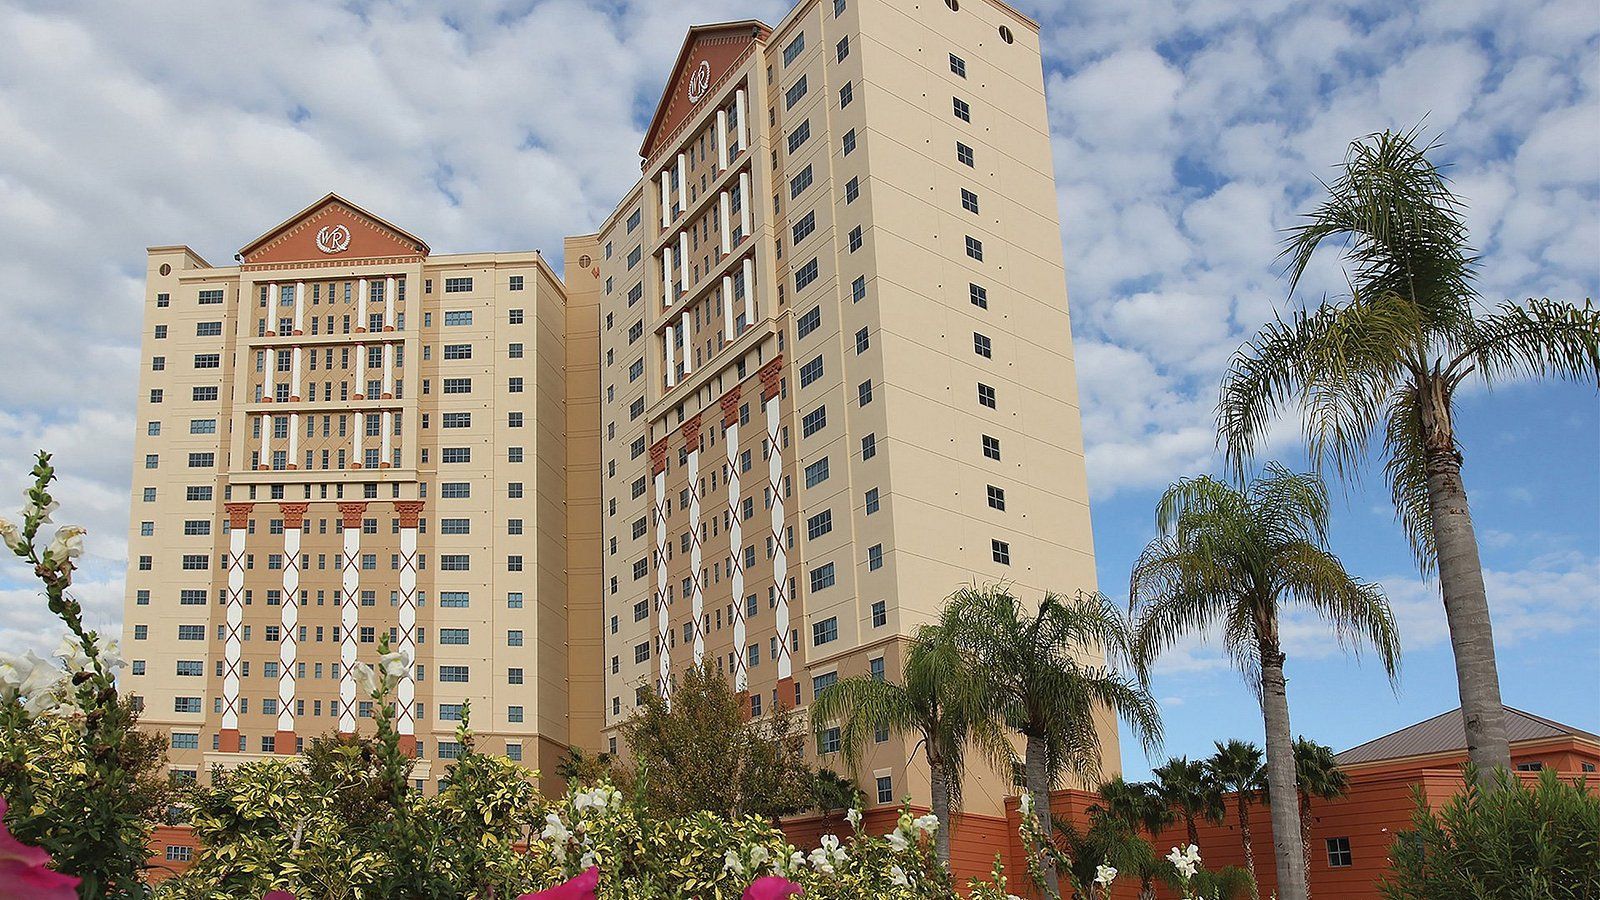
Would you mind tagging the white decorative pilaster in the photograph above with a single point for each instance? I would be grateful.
(688, 338)
(739, 114)
(690, 433)
(727, 306)
(361, 305)
(666, 198)
(667, 338)
(238, 528)
(294, 441)
(667, 294)
(299, 307)
(725, 201)
(294, 375)
(388, 370)
(273, 301)
(683, 182)
(349, 613)
(730, 441)
(722, 139)
(388, 303)
(293, 522)
(683, 260)
(771, 375)
(745, 203)
(410, 512)
(749, 269)
(386, 441)
(360, 392)
(658, 515)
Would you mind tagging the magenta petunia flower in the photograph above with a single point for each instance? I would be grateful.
(278, 895)
(25, 872)
(580, 888)
(771, 887)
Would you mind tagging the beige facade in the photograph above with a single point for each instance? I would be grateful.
(344, 437)
(837, 360)
(812, 375)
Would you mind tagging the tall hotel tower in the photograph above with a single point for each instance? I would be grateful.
(344, 436)
(836, 360)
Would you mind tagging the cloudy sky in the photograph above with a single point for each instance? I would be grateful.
(1188, 133)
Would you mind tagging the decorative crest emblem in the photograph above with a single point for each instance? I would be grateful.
(333, 239)
(700, 82)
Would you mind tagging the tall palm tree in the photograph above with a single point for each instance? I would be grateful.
(1136, 806)
(1237, 767)
(1317, 776)
(1187, 787)
(1233, 559)
(1392, 357)
(1050, 672)
(936, 699)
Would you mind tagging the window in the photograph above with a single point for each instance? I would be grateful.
(455, 599)
(819, 524)
(514, 715)
(458, 317)
(799, 182)
(455, 490)
(641, 651)
(982, 346)
(1339, 853)
(805, 274)
(177, 852)
(1001, 551)
(822, 577)
(842, 49)
(880, 614)
(855, 239)
(958, 66)
(455, 420)
(991, 447)
(458, 636)
(456, 674)
(186, 704)
(979, 295)
(846, 94)
(817, 472)
(208, 360)
(869, 447)
(210, 298)
(821, 683)
(449, 712)
(203, 393)
(874, 557)
(814, 421)
(805, 226)
(963, 154)
(457, 285)
(795, 48)
(828, 741)
(838, 8)
(792, 96)
(514, 637)
(997, 497)
(514, 675)
(975, 248)
(799, 135)
(962, 110)
(872, 501)
(457, 351)
(986, 395)
(810, 372)
(1534, 766)
(852, 190)
(858, 289)
(885, 785)
(185, 741)
(864, 392)
(969, 201)
(457, 562)
(516, 285)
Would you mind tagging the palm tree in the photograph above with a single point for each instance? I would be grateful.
(1136, 806)
(1392, 357)
(1317, 775)
(1233, 558)
(1187, 787)
(936, 700)
(1049, 673)
(1237, 767)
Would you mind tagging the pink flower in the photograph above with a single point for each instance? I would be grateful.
(278, 895)
(771, 888)
(24, 870)
(580, 888)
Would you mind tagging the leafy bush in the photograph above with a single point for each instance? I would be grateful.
(1510, 841)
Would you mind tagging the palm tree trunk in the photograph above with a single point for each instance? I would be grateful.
(941, 809)
(1147, 888)
(1249, 850)
(1466, 603)
(1194, 830)
(1291, 862)
(1305, 837)
(1034, 769)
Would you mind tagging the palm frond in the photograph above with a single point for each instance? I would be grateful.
(1406, 472)
(1544, 338)
(1357, 611)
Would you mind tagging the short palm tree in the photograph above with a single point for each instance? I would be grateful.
(1136, 806)
(1317, 776)
(1237, 767)
(1232, 559)
(1392, 357)
(1187, 787)
(1050, 672)
(936, 699)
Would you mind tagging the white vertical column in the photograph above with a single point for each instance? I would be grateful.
(299, 307)
(739, 114)
(388, 370)
(388, 303)
(697, 605)
(294, 374)
(272, 307)
(745, 200)
(294, 440)
(722, 139)
(264, 461)
(688, 338)
(361, 304)
(780, 552)
(672, 365)
(730, 441)
(360, 421)
(727, 306)
(683, 259)
(386, 441)
(666, 198)
(238, 528)
(658, 461)
(406, 691)
(269, 374)
(666, 278)
(293, 521)
(749, 292)
(683, 181)
(360, 392)
(726, 201)
(349, 613)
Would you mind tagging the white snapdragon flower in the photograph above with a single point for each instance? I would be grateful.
(797, 860)
(1025, 805)
(820, 861)
(366, 678)
(67, 545)
(1104, 875)
(1185, 860)
(927, 824)
(31, 509)
(589, 858)
(853, 817)
(72, 654)
(897, 841)
(11, 534)
(731, 863)
(897, 877)
(395, 664)
(758, 857)
(111, 655)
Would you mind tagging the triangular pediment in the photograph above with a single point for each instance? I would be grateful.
(332, 230)
(709, 54)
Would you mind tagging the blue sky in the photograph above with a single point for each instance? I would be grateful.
(1187, 134)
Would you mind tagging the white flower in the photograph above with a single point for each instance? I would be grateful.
(111, 655)
(927, 824)
(366, 678)
(897, 877)
(897, 841)
(1026, 805)
(732, 863)
(586, 800)
(1105, 874)
(556, 832)
(67, 545)
(1186, 861)
(758, 857)
(796, 860)
(830, 842)
(72, 654)
(819, 861)
(395, 664)
(854, 818)
(31, 509)
(11, 534)
(590, 858)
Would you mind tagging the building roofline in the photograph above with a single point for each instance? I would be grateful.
(332, 195)
(760, 29)
(185, 248)
(1565, 732)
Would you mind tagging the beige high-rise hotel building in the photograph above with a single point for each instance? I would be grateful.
(812, 375)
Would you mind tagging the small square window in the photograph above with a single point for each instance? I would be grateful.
(963, 154)
(958, 65)
(979, 295)
(986, 395)
(975, 248)
(962, 110)
(1002, 552)
(1339, 856)
(991, 447)
(982, 346)
(997, 498)
(969, 201)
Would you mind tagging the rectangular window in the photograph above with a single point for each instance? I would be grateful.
(457, 285)
(982, 346)
(641, 651)
(805, 226)
(874, 557)
(454, 599)
(208, 329)
(852, 189)
(817, 472)
(203, 393)
(975, 248)
(885, 785)
(186, 704)
(793, 95)
(808, 322)
(819, 524)
(208, 360)
(800, 135)
(828, 741)
(455, 562)
(858, 289)
(969, 201)
(799, 182)
(822, 577)
(810, 372)
(997, 498)
(457, 674)
(814, 421)
(457, 351)
(1339, 856)
(986, 395)
(455, 420)
(991, 447)
(210, 297)
(855, 239)
(869, 447)
(825, 632)
(962, 110)
(805, 274)
(963, 154)
(515, 284)
(458, 317)
(846, 94)
(795, 48)
(864, 393)
(848, 143)
(455, 490)
(1002, 552)
(202, 426)
(842, 49)
(979, 295)
(880, 614)
(872, 501)
(958, 66)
